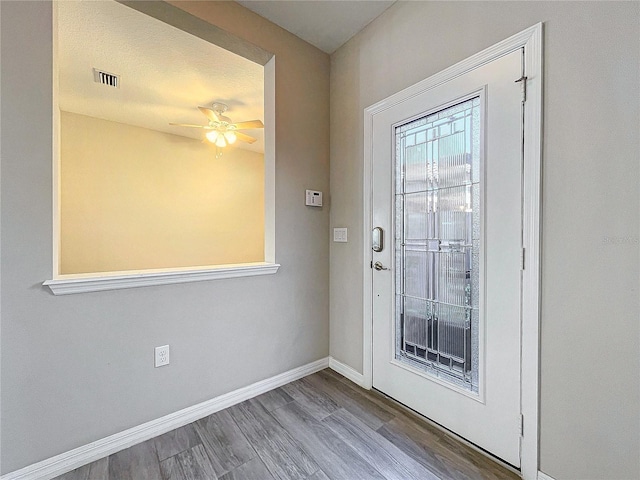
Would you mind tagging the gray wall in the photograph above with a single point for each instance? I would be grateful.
(78, 368)
(590, 405)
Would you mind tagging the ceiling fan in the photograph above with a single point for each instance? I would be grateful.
(222, 131)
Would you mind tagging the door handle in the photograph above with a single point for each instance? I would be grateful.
(378, 266)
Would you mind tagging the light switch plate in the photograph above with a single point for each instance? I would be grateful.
(340, 235)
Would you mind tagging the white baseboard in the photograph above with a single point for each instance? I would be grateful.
(544, 476)
(65, 462)
(346, 371)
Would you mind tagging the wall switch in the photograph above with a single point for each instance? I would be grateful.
(162, 355)
(313, 198)
(340, 235)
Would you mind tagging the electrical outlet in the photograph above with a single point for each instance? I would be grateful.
(162, 355)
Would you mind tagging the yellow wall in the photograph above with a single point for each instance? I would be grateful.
(133, 199)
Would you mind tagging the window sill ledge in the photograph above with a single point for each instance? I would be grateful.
(83, 283)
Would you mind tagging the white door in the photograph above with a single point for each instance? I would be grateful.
(446, 298)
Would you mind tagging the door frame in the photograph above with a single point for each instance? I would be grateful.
(531, 41)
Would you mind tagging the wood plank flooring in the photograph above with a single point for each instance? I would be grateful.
(321, 427)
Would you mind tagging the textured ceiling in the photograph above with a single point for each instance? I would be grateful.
(165, 72)
(327, 24)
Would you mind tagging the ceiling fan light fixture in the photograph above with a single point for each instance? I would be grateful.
(231, 137)
(212, 136)
(221, 131)
(221, 142)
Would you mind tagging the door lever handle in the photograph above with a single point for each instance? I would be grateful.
(378, 266)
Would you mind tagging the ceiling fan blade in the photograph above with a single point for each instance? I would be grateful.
(249, 124)
(206, 127)
(244, 138)
(210, 114)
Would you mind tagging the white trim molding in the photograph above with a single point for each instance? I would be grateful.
(531, 41)
(544, 476)
(68, 284)
(67, 461)
(531, 236)
(346, 371)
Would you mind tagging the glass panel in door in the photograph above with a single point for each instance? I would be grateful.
(437, 214)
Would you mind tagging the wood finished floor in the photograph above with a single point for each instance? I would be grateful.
(318, 428)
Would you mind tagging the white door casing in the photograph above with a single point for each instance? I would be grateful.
(530, 41)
